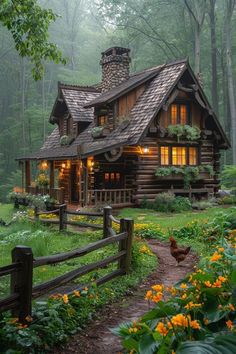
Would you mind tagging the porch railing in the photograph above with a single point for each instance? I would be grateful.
(55, 193)
(110, 196)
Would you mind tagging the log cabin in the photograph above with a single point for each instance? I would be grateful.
(130, 137)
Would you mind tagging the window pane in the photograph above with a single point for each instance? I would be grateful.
(192, 156)
(183, 114)
(164, 155)
(102, 120)
(178, 155)
(173, 114)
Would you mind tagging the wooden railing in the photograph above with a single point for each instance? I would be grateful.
(55, 193)
(110, 196)
(23, 262)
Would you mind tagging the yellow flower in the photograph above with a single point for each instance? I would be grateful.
(65, 299)
(161, 328)
(191, 305)
(183, 286)
(133, 330)
(157, 287)
(179, 320)
(229, 324)
(208, 284)
(221, 249)
(183, 297)
(76, 293)
(215, 257)
(194, 324)
(173, 291)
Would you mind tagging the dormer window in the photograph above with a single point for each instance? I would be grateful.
(102, 120)
(179, 114)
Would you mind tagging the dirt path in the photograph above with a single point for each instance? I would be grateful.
(97, 339)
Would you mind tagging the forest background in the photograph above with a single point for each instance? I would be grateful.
(156, 31)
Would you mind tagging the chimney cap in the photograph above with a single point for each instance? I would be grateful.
(115, 51)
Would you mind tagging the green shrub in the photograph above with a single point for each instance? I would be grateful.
(167, 202)
(202, 204)
(228, 177)
(227, 200)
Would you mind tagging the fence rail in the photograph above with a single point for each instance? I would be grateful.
(112, 196)
(23, 263)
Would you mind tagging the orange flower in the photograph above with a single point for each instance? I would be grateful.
(29, 318)
(183, 286)
(208, 284)
(206, 321)
(157, 297)
(21, 326)
(221, 249)
(194, 324)
(65, 299)
(148, 295)
(217, 284)
(157, 287)
(180, 320)
(222, 279)
(231, 306)
(76, 293)
(191, 305)
(183, 297)
(229, 324)
(215, 257)
(161, 328)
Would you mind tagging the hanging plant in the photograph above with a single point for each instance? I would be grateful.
(66, 140)
(184, 131)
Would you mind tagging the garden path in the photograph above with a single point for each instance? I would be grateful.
(97, 338)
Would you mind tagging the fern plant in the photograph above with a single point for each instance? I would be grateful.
(184, 131)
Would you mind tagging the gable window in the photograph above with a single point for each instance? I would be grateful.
(102, 120)
(178, 155)
(179, 114)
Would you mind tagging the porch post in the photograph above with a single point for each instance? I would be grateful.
(27, 175)
(51, 177)
(85, 182)
(21, 165)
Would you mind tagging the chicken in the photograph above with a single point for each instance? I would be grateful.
(178, 253)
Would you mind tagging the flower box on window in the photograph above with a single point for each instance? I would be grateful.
(100, 132)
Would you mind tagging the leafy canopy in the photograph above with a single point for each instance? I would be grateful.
(28, 24)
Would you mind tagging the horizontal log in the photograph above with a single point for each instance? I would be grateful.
(83, 213)
(9, 269)
(56, 211)
(84, 224)
(10, 302)
(56, 258)
(116, 221)
(41, 289)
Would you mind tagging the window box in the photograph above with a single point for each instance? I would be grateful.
(100, 132)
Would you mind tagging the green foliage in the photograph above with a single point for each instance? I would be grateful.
(202, 204)
(228, 177)
(184, 131)
(29, 24)
(227, 200)
(168, 203)
(26, 199)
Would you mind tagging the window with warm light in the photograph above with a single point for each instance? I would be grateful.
(164, 155)
(179, 155)
(192, 156)
(102, 120)
(179, 114)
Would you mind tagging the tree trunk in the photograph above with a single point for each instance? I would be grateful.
(231, 94)
(214, 81)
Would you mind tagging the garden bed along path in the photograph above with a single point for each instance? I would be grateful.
(97, 337)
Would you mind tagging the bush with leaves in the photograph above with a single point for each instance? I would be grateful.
(184, 131)
(228, 177)
(197, 315)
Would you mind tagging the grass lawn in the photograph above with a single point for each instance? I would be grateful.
(169, 221)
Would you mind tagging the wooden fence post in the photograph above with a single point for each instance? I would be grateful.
(36, 215)
(62, 217)
(21, 281)
(126, 225)
(107, 223)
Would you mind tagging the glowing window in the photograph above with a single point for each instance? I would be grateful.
(183, 114)
(179, 155)
(107, 177)
(174, 114)
(192, 156)
(102, 120)
(164, 155)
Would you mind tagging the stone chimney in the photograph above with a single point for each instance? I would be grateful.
(115, 67)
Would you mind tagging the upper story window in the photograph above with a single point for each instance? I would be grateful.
(179, 114)
(178, 155)
(102, 120)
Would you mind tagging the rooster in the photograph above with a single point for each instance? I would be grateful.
(178, 253)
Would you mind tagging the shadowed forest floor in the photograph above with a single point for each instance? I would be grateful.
(97, 338)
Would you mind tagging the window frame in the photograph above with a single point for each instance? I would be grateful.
(170, 163)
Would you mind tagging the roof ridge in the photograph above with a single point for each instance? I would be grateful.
(178, 61)
(62, 85)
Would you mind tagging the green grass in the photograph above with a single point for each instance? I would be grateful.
(169, 221)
